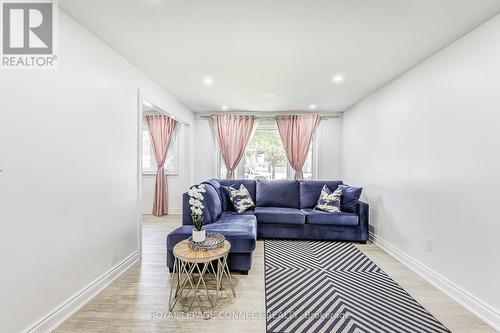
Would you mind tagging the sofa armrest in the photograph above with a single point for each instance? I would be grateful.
(186, 210)
(362, 210)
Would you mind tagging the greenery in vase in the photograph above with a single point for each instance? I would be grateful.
(196, 202)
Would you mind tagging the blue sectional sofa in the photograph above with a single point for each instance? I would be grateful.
(284, 210)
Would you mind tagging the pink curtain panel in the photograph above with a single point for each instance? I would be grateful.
(296, 132)
(161, 129)
(232, 133)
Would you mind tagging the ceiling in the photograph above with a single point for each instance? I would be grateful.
(278, 55)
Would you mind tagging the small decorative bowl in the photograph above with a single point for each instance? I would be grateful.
(213, 241)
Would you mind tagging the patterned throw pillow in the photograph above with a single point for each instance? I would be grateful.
(328, 201)
(241, 199)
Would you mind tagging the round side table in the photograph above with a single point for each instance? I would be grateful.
(190, 266)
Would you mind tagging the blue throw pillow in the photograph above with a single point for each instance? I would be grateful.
(350, 198)
(227, 205)
(241, 198)
(328, 201)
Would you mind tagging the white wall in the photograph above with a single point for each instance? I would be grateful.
(204, 151)
(426, 150)
(329, 148)
(69, 192)
(328, 145)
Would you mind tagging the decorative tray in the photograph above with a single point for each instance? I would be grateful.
(212, 241)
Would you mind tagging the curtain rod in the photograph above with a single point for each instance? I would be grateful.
(273, 117)
(159, 113)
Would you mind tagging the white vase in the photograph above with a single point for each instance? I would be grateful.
(199, 235)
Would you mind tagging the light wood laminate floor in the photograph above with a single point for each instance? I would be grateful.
(138, 300)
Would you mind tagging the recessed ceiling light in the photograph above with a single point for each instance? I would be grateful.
(208, 81)
(224, 107)
(268, 95)
(312, 106)
(338, 78)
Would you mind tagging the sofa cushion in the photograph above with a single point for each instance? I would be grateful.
(329, 201)
(227, 205)
(319, 217)
(225, 183)
(241, 198)
(212, 204)
(278, 193)
(350, 198)
(246, 212)
(311, 189)
(280, 215)
(223, 193)
(239, 229)
(214, 182)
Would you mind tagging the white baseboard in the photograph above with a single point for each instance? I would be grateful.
(171, 211)
(474, 305)
(174, 211)
(73, 304)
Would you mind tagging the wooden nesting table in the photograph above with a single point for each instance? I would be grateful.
(188, 276)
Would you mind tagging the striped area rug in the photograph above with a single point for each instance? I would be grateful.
(318, 286)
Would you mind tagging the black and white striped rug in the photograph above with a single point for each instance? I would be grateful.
(318, 286)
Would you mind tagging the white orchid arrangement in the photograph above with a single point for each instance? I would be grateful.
(196, 202)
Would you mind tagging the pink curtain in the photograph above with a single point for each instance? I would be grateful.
(160, 130)
(296, 133)
(232, 133)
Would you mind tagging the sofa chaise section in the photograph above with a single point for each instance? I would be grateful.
(239, 229)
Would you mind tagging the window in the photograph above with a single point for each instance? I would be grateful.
(308, 164)
(148, 159)
(265, 156)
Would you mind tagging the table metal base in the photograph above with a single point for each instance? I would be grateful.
(189, 277)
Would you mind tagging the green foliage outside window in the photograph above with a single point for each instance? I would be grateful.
(267, 143)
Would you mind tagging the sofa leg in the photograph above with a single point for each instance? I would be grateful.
(171, 270)
(361, 242)
(244, 272)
